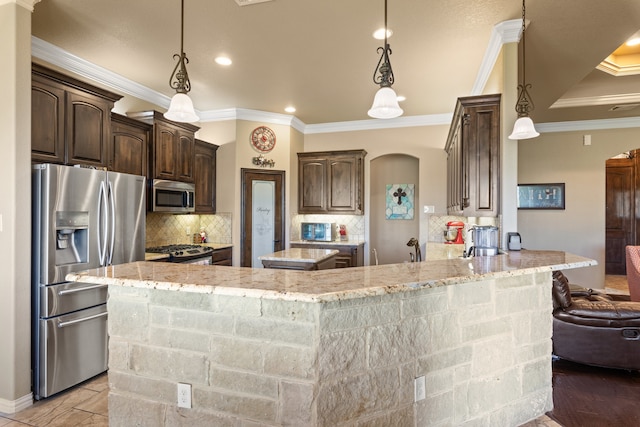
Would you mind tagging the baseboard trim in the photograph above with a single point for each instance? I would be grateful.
(13, 406)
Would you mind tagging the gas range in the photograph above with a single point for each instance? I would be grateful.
(183, 253)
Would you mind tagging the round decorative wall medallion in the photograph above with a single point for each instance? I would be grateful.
(263, 139)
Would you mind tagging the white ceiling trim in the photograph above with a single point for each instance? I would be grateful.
(400, 122)
(63, 59)
(580, 125)
(597, 100)
(502, 33)
(27, 4)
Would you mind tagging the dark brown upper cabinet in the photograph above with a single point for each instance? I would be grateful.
(331, 182)
(171, 152)
(129, 146)
(473, 157)
(70, 119)
(205, 176)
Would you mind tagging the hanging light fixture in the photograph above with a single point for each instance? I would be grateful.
(181, 107)
(523, 127)
(385, 103)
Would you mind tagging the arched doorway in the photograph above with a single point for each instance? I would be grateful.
(392, 234)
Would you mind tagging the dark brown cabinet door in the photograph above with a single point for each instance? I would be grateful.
(342, 184)
(165, 141)
(205, 176)
(47, 124)
(312, 185)
(185, 152)
(129, 145)
(87, 126)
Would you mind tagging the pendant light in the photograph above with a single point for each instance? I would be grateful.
(385, 103)
(181, 107)
(523, 127)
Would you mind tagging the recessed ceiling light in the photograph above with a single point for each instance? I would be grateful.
(379, 34)
(290, 109)
(223, 60)
(633, 42)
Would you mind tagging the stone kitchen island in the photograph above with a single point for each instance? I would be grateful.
(333, 347)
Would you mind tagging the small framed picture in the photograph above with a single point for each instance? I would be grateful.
(541, 196)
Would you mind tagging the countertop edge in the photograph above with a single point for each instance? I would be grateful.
(229, 279)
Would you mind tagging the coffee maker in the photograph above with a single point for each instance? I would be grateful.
(454, 233)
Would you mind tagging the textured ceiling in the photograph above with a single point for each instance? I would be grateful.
(319, 55)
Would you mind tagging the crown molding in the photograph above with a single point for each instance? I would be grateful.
(580, 125)
(502, 33)
(597, 100)
(63, 59)
(373, 124)
(27, 4)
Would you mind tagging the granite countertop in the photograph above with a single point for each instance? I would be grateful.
(332, 242)
(328, 285)
(217, 246)
(299, 255)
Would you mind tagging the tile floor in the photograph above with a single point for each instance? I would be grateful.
(84, 405)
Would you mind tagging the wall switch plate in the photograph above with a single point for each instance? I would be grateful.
(184, 395)
(586, 139)
(419, 388)
(429, 209)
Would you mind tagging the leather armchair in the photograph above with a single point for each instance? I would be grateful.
(595, 328)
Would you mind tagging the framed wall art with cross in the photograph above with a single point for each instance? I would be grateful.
(399, 201)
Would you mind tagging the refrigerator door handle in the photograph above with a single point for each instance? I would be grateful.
(86, 288)
(84, 319)
(102, 224)
(112, 220)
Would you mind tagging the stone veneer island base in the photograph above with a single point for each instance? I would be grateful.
(333, 348)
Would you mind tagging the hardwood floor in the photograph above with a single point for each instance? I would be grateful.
(585, 396)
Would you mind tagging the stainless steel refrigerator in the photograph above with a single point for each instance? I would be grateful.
(82, 218)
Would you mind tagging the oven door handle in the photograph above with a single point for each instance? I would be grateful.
(74, 290)
(84, 319)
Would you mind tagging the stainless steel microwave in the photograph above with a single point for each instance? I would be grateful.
(318, 231)
(172, 196)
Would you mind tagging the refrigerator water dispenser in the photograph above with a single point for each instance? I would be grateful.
(72, 234)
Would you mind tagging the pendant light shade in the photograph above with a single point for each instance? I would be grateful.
(523, 128)
(385, 104)
(181, 107)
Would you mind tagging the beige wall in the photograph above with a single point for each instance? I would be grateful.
(15, 209)
(580, 228)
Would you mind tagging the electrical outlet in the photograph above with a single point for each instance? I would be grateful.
(188, 231)
(184, 395)
(419, 388)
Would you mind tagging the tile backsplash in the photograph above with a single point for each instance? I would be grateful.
(166, 229)
(354, 223)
